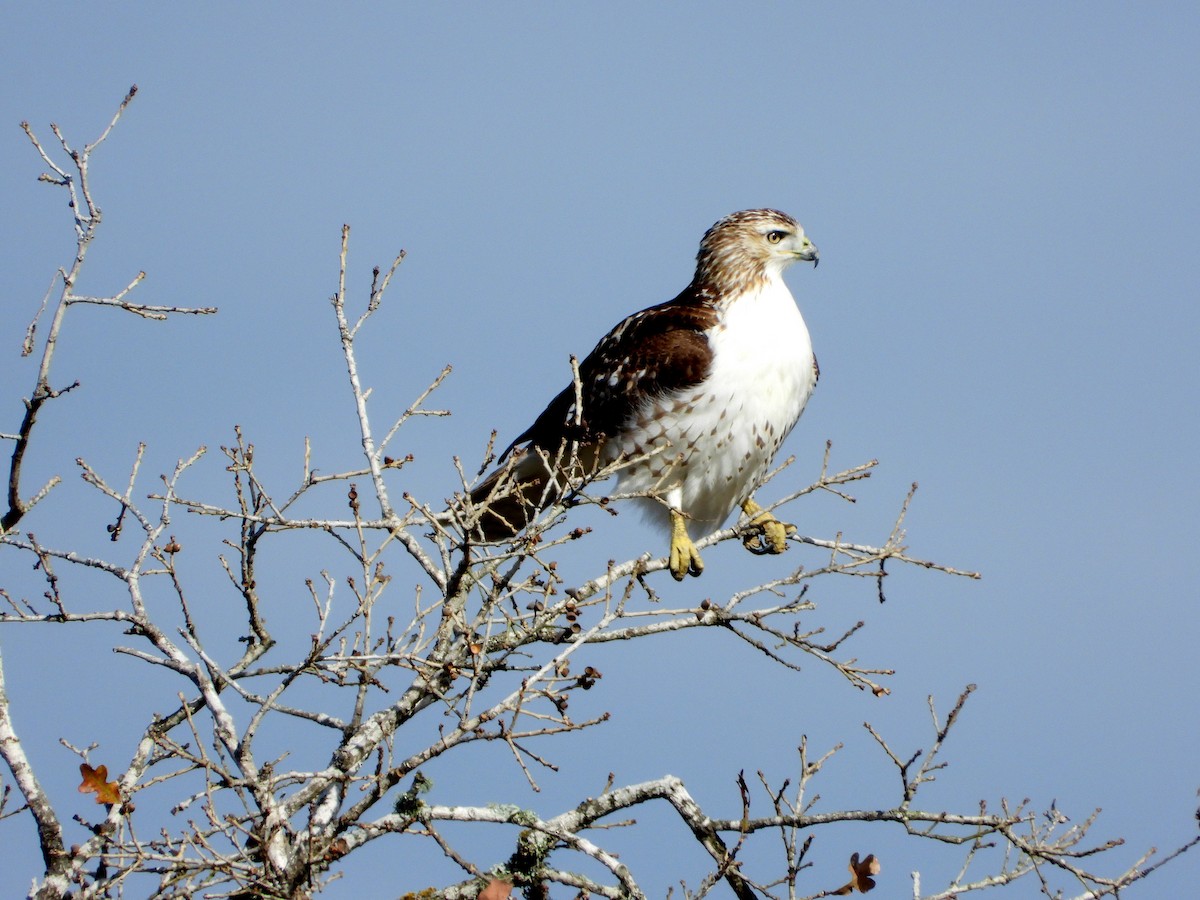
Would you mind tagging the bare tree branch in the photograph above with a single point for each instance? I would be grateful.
(409, 640)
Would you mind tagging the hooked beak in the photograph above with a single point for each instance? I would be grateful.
(809, 253)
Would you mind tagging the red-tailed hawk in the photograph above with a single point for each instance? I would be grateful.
(689, 401)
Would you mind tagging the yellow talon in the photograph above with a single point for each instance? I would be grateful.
(685, 558)
(771, 534)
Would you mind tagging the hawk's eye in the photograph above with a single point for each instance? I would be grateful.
(775, 236)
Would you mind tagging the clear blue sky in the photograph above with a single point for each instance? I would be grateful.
(1007, 202)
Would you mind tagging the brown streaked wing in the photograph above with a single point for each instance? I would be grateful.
(653, 352)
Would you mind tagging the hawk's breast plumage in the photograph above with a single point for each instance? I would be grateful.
(689, 400)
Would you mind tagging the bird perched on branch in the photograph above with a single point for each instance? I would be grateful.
(688, 401)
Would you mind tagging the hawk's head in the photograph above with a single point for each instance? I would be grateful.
(750, 246)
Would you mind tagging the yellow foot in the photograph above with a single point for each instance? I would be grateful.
(685, 558)
(770, 534)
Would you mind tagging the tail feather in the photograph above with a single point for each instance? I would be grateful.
(509, 499)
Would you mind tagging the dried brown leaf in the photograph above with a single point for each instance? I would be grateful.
(96, 781)
(496, 890)
(860, 875)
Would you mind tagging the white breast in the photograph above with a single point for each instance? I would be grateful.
(724, 433)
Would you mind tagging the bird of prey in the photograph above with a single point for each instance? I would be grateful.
(687, 401)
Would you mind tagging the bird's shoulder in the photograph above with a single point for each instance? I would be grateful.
(656, 351)
(662, 347)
